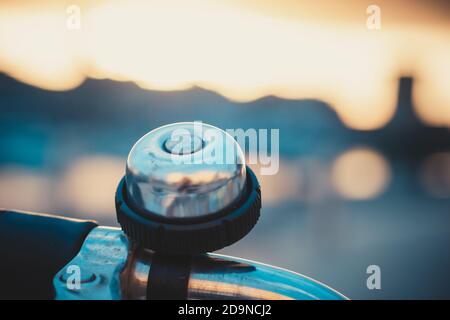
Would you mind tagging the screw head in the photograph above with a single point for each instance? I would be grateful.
(185, 143)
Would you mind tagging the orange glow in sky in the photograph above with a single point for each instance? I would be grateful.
(235, 49)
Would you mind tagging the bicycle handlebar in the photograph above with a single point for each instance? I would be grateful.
(37, 250)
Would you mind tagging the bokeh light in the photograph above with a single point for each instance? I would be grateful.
(360, 174)
(23, 189)
(89, 184)
(435, 175)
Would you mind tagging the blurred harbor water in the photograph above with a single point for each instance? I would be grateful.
(343, 199)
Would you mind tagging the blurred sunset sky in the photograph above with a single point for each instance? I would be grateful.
(242, 49)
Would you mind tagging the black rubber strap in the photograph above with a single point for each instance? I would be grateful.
(168, 278)
(33, 247)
